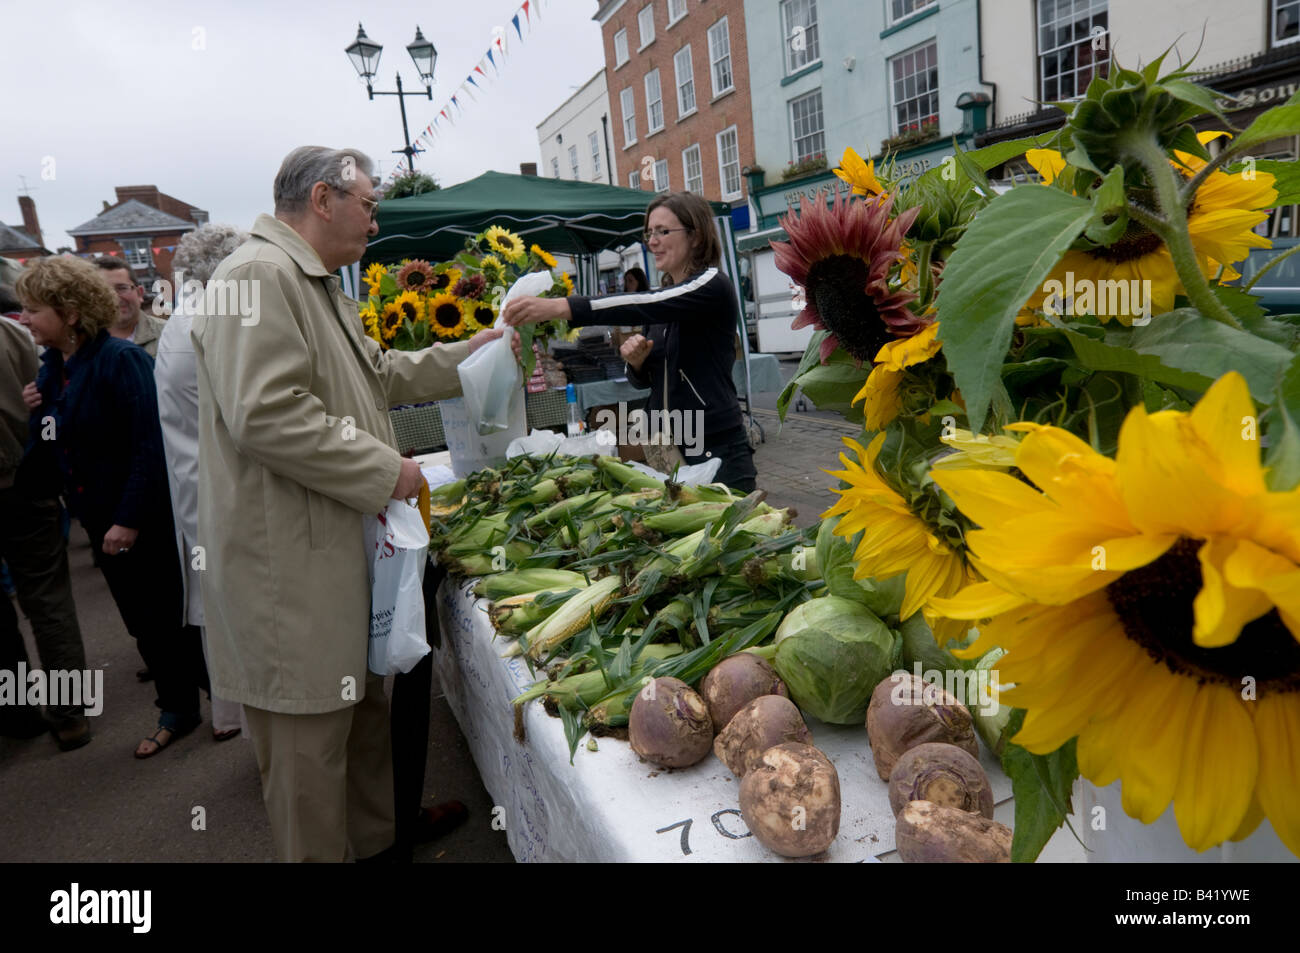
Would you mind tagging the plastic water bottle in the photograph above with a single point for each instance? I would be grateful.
(575, 416)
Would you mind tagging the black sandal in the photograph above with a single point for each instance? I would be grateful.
(174, 731)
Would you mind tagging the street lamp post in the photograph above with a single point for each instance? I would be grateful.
(364, 54)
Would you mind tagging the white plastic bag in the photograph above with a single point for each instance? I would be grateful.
(398, 541)
(490, 376)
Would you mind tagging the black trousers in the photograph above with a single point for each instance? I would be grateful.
(32, 545)
(146, 585)
(409, 711)
(732, 446)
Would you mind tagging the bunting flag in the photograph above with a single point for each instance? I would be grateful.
(495, 56)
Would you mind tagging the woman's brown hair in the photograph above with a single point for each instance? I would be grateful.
(70, 286)
(694, 213)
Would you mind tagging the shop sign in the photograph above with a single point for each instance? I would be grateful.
(1272, 95)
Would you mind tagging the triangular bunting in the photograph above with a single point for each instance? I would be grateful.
(515, 21)
(525, 9)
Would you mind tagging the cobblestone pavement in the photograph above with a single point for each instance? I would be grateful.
(791, 463)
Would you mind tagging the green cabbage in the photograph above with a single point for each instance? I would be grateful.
(832, 653)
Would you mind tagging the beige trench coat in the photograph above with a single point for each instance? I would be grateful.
(296, 448)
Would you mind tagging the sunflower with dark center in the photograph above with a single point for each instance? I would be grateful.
(841, 254)
(415, 276)
(505, 243)
(446, 317)
(471, 287)
(484, 316)
(1149, 605)
(411, 306)
(1221, 221)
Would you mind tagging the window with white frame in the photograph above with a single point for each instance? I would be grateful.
(799, 19)
(676, 10)
(902, 9)
(628, 100)
(661, 175)
(620, 48)
(1286, 21)
(645, 22)
(720, 57)
(634, 179)
(555, 167)
(1068, 54)
(685, 70)
(915, 86)
(693, 169)
(729, 163)
(654, 102)
(137, 252)
(807, 127)
(573, 160)
(594, 141)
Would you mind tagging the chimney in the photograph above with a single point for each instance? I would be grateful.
(528, 168)
(148, 194)
(31, 224)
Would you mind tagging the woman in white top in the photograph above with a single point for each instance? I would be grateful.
(176, 374)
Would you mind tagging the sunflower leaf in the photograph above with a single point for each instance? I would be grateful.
(832, 386)
(1185, 350)
(1277, 122)
(1196, 95)
(989, 277)
(991, 156)
(811, 358)
(1041, 785)
(1283, 459)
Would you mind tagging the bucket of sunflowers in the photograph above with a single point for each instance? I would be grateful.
(1081, 445)
(416, 304)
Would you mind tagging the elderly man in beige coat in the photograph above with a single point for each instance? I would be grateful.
(296, 448)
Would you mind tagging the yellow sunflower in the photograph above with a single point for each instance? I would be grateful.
(375, 274)
(568, 283)
(390, 320)
(1150, 606)
(505, 243)
(895, 539)
(859, 174)
(373, 329)
(882, 401)
(446, 315)
(444, 280)
(543, 255)
(977, 451)
(1220, 220)
(411, 304)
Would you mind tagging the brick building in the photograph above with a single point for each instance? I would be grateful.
(143, 228)
(21, 242)
(678, 77)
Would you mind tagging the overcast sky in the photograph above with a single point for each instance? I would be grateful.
(117, 94)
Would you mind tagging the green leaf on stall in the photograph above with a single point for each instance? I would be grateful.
(993, 156)
(1003, 258)
(387, 285)
(1283, 459)
(1041, 786)
(811, 358)
(1109, 218)
(1241, 303)
(1196, 95)
(832, 386)
(1277, 122)
(1186, 350)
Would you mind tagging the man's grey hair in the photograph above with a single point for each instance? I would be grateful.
(307, 165)
(201, 250)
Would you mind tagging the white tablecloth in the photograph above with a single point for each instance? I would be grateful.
(608, 805)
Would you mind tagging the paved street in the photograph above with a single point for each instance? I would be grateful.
(100, 804)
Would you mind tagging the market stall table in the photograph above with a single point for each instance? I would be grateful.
(610, 806)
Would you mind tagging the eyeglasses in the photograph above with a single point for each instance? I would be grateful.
(653, 233)
(370, 205)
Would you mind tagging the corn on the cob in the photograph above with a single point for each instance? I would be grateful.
(630, 478)
(704, 493)
(515, 615)
(585, 688)
(517, 581)
(557, 511)
(572, 617)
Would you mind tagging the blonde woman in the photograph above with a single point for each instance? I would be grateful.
(99, 392)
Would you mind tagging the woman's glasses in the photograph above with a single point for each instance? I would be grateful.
(652, 233)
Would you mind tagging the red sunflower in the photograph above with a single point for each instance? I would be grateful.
(841, 255)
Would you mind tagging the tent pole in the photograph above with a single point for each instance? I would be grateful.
(729, 246)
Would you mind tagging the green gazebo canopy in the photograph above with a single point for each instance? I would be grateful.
(575, 218)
